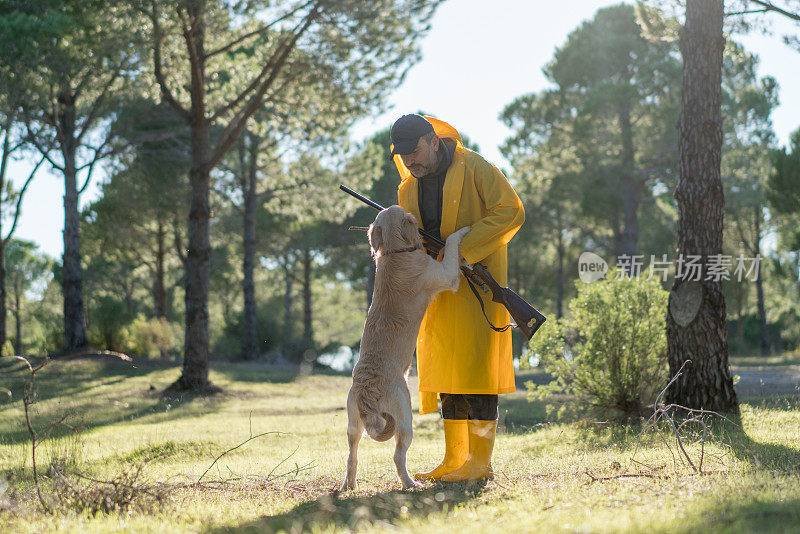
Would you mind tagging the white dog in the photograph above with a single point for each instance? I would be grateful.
(406, 279)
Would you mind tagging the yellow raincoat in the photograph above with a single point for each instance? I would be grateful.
(457, 352)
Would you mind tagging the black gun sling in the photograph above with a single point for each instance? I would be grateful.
(483, 309)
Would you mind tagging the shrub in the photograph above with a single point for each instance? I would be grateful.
(107, 321)
(229, 342)
(783, 332)
(611, 355)
(153, 338)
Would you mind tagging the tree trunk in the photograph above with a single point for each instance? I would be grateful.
(740, 296)
(74, 329)
(308, 331)
(127, 290)
(706, 382)
(616, 234)
(250, 318)
(762, 312)
(198, 270)
(18, 321)
(560, 283)
(159, 289)
(3, 308)
(797, 272)
(630, 191)
(198, 256)
(288, 323)
(3, 169)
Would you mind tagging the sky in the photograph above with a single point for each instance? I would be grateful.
(474, 63)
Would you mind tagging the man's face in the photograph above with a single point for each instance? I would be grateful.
(423, 160)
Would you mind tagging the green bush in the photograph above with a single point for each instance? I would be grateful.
(610, 357)
(783, 333)
(107, 321)
(153, 337)
(229, 343)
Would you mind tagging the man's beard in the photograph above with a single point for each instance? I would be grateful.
(421, 171)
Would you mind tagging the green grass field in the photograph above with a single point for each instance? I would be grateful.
(551, 476)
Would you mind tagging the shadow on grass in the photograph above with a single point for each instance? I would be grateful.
(388, 508)
(767, 456)
(758, 516)
(272, 374)
(728, 433)
(84, 398)
(67, 378)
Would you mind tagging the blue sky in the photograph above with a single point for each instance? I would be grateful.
(474, 63)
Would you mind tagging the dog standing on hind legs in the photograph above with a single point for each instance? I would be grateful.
(406, 279)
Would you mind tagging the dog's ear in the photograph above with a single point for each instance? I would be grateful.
(410, 232)
(375, 236)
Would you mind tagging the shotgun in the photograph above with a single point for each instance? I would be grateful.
(526, 318)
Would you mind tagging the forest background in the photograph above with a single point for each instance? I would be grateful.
(591, 148)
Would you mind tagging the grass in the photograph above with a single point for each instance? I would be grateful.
(548, 473)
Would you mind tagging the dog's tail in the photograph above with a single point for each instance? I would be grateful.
(368, 391)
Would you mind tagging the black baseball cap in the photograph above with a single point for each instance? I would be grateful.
(406, 132)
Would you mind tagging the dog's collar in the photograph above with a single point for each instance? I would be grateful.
(409, 249)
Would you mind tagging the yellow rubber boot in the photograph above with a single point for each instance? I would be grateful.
(479, 462)
(456, 449)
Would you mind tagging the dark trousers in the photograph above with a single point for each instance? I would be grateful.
(469, 406)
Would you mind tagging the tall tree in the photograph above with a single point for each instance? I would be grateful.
(73, 60)
(314, 212)
(357, 48)
(549, 175)
(254, 174)
(14, 143)
(352, 256)
(10, 199)
(140, 199)
(783, 196)
(783, 185)
(700, 337)
(747, 136)
(599, 147)
(621, 87)
(27, 269)
(746, 169)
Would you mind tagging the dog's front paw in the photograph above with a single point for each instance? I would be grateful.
(458, 235)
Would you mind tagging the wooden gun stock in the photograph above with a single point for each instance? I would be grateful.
(526, 318)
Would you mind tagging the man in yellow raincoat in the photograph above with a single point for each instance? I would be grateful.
(460, 358)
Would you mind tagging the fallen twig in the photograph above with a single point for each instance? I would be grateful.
(97, 352)
(28, 398)
(248, 440)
